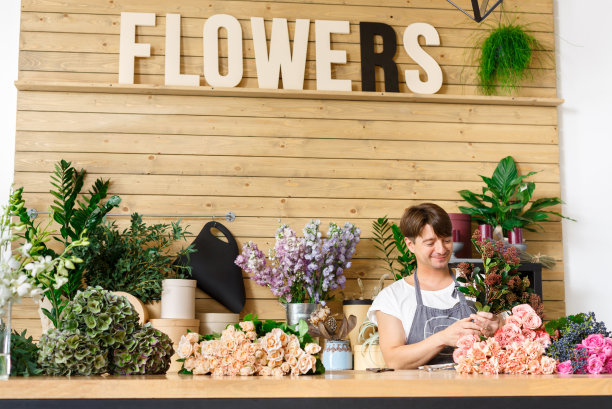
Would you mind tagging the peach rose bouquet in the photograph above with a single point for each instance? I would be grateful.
(251, 347)
(516, 348)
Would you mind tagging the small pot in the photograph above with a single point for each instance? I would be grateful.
(368, 357)
(178, 299)
(358, 308)
(298, 311)
(337, 356)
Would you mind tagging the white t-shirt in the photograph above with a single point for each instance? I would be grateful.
(399, 300)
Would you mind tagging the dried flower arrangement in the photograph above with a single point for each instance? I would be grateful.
(499, 287)
(323, 325)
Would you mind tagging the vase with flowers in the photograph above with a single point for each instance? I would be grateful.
(499, 286)
(302, 270)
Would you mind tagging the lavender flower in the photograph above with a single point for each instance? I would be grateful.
(303, 269)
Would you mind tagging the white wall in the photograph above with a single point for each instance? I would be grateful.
(584, 66)
(9, 50)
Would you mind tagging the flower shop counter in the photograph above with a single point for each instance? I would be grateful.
(357, 389)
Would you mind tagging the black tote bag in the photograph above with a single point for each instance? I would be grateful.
(212, 266)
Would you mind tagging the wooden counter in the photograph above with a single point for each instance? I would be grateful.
(353, 388)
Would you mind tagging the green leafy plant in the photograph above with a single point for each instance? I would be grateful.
(148, 351)
(389, 240)
(76, 217)
(505, 58)
(24, 355)
(136, 259)
(504, 200)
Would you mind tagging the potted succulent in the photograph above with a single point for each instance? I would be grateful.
(505, 200)
(368, 354)
(302, 271)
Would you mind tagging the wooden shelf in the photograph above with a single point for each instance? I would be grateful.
(282, 93)
(339, 384)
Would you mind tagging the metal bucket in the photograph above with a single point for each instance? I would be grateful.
(298, 311)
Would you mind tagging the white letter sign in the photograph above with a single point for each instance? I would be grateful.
(326, 56)
(234, 51)
(280, 58)
(173, 74)
(414, 50)
(128, 48)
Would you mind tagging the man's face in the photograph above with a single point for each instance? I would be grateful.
(430, 250)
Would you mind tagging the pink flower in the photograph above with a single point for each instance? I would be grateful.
(514, 319)
(594, 343)
(594, 365)
(608, 367)
(522, 309)
(543, 338)
(532, 320)
(458, 355)
(548, 364)
(466, 341)
(565, 367)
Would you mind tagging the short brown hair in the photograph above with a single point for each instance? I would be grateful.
(416, 217)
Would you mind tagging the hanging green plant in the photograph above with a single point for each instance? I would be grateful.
(505, 58)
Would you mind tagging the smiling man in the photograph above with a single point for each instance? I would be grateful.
(421, 317)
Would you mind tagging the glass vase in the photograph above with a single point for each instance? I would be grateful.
(5, 341)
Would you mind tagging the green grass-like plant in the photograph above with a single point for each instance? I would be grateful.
(505, 58)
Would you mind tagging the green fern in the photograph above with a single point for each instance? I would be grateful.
(389, 239)
(383, 241)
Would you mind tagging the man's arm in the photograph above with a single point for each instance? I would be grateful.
(398, 355)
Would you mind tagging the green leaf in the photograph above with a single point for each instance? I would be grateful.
(302, 328)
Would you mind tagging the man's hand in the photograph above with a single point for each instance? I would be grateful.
(488, 322)
(452, 333)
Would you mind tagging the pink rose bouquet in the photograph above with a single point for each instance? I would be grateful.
(516, 348)
(580, 344)
(251, 347)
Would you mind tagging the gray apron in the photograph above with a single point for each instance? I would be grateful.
(428, 320)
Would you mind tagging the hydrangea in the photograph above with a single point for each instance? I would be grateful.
(303, 269)
(71, 353)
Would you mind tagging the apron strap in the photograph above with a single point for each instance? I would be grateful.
(456, 293)
(417, 290)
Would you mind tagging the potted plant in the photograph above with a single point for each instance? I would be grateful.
(76, 214)
(505, 200)
(368, 354)
(136, 260)
(505, 57)
(389, 240)
(302, 271)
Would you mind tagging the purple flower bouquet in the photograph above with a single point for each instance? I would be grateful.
(302, 269)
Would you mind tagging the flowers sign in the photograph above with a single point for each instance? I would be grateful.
(517, 348)
(303, 269)
(251, 347)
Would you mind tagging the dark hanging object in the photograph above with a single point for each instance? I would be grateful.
(212, 266)
(480, 12)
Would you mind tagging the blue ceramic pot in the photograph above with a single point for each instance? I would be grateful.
(337, 356)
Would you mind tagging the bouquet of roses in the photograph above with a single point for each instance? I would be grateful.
(303, 269)
(499, 287)
(517, 347)
(251, 347)
(581, 344)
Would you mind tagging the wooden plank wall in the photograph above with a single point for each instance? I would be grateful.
(266, 157)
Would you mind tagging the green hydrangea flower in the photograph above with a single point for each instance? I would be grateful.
(147, 352)
(63, 352)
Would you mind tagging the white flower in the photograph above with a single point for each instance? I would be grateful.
(59, 282)
(25, 249)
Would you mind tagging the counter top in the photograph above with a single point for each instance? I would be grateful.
(338, 384)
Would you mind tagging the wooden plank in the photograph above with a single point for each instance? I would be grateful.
(464, 37)
(272, 167)
(270, 108)
(192, 47)
(329, 188)
(448, 17)
(109, 63)
(526, 90)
